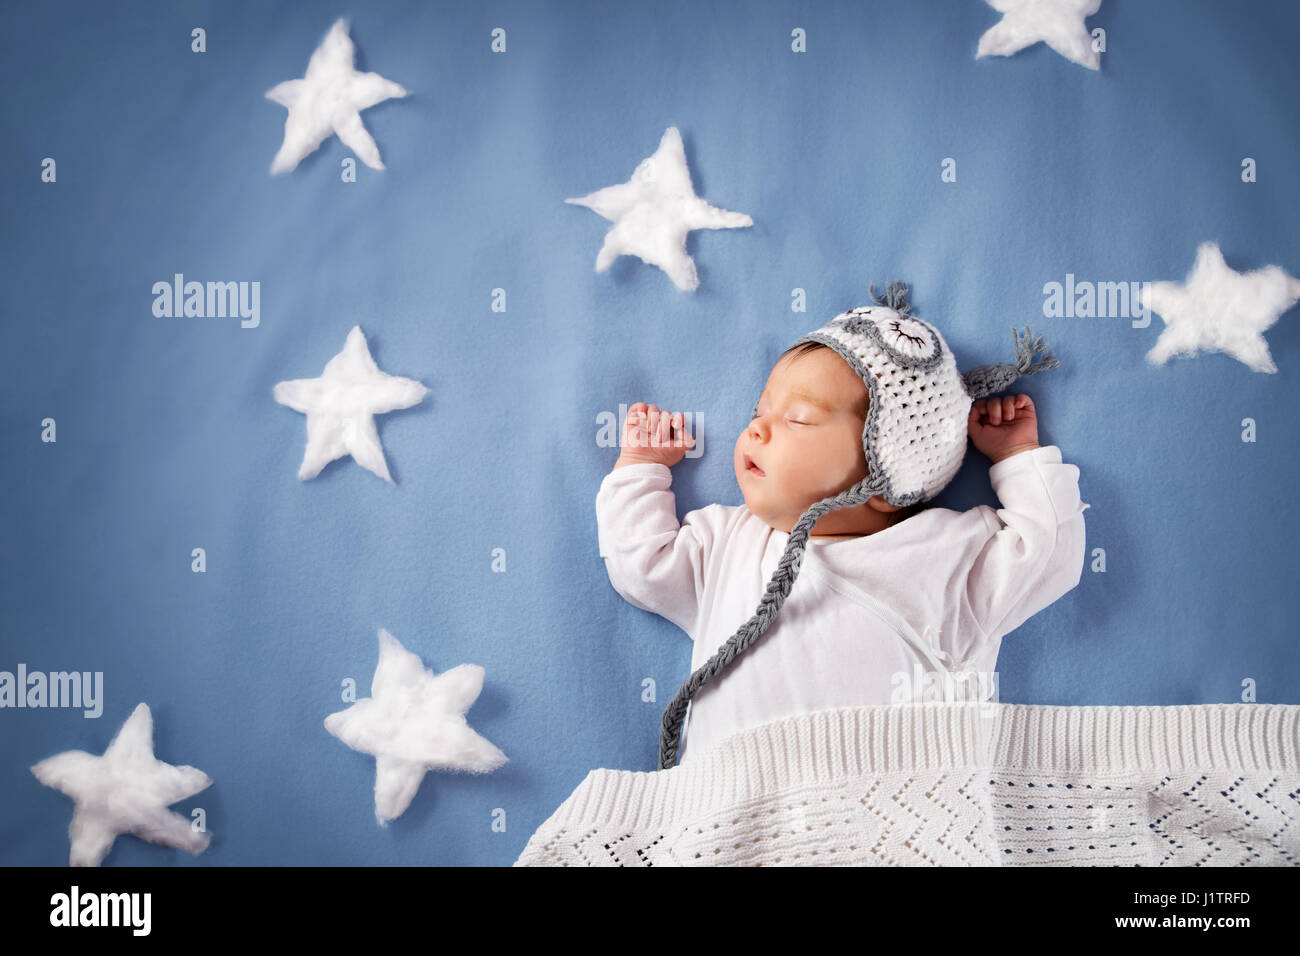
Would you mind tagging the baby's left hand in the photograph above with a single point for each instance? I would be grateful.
(1003, 425)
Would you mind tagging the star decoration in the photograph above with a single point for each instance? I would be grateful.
(329, 100)
(1218, 309)
(654, 210)
(340, 407)
(413, 722)
(127, 790)
(1058, 23)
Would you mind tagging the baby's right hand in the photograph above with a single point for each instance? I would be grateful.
(650, 435)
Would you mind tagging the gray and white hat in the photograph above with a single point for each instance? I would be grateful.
(914, 439)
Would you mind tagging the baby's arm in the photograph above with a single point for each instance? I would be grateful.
(653, 562)
(1037, 549)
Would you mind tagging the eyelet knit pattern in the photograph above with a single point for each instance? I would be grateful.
(956, 784)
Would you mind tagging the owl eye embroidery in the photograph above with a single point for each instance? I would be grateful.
(907, 335)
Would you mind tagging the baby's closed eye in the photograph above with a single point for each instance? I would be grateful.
(792, 421)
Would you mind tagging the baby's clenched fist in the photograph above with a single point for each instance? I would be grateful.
(1003, 425)
(651, 435)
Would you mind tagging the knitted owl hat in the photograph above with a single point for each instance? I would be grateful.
(914, 439)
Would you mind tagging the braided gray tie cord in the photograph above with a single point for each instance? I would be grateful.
(773, 597)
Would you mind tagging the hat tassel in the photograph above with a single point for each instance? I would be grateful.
(991, 379)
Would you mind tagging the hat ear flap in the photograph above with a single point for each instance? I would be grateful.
(992, 379)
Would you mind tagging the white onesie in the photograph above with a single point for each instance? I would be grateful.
(932, 594)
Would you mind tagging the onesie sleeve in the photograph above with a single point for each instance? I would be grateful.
(1036, 552)
(654, 563)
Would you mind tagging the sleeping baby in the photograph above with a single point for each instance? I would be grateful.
(860, 424)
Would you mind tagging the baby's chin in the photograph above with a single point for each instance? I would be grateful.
(758, 508)
(746, 497)
(777, 518)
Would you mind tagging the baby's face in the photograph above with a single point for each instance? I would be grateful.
(806, 438)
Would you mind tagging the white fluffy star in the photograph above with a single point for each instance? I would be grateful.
(413, 722)
(127, 790)
(329, 99)
(1058, 23)
(1218, 309)
(340, 407)
(654, 210)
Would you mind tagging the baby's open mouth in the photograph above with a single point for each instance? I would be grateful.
(752, 468)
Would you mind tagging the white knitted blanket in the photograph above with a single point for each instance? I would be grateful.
(943, 784)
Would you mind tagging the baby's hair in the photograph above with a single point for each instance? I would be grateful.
(864, 405)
